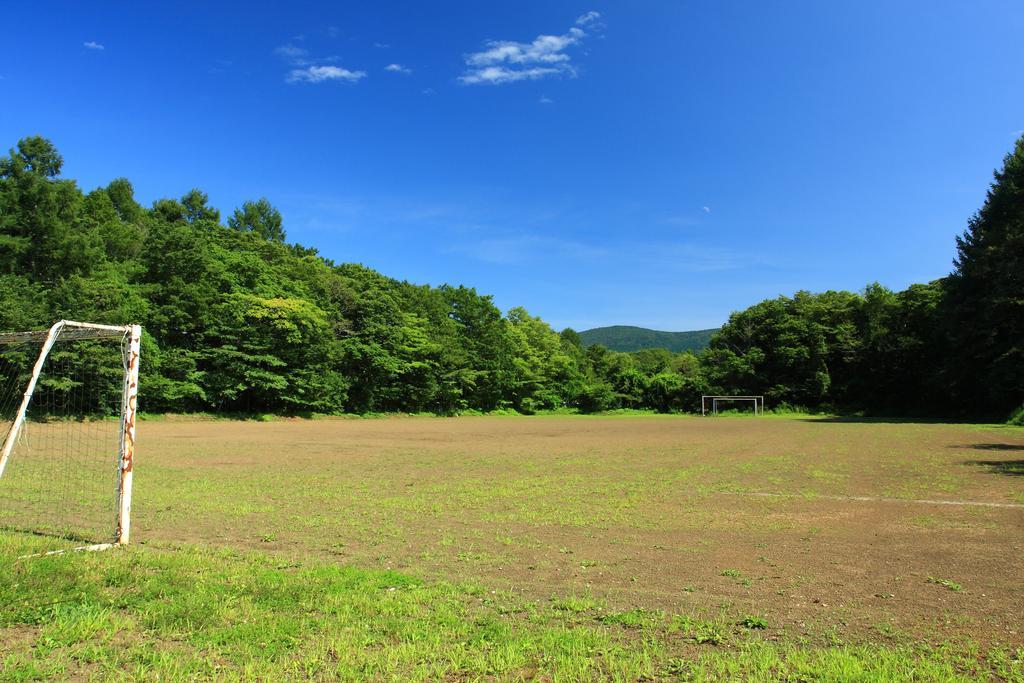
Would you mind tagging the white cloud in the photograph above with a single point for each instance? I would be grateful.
(382, 46)
(291, 52)
(507, 61)
(308, 70)
(496, 75)
(93, 45)
(318, 74)
(544, 99)
(398, 69)
(707, 209)
(543, 49)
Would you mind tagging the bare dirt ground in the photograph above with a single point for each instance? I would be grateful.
(829, 529)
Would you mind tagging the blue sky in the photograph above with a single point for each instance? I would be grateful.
(654, 163)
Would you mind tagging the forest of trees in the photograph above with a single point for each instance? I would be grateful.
(237, 319)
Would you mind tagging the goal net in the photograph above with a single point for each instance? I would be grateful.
(67, 422)
(712, 404)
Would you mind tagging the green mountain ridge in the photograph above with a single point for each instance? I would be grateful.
(631, 338)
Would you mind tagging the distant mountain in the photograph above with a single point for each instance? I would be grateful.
(628, 338)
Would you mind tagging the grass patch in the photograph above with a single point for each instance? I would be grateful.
(190, 613)
(754, 622)
(946, 583)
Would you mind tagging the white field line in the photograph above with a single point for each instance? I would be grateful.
(83, 549)
(869, 499)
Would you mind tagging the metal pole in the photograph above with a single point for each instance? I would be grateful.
(19, 419)
(126, 459)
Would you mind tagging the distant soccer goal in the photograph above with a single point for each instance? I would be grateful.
(68, 400)
(713, 403)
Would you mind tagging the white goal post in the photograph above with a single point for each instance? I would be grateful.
(70, 424)
(758, 402)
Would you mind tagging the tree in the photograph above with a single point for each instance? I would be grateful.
(169, 211)
(197, 208)
(549, 375)
(572, 338)
(272, 354)
(37, 214)
(986, 297)
(36, 155)
(122, 195)
(259, 217)
(238, 319)
(483, 335)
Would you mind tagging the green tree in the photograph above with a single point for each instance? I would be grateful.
(259, 217)
(198, 209)
(237, 319)
(272, 354)
(487, 370)
(986, 297)
(38, 214)
(122, 195)
(548, 372)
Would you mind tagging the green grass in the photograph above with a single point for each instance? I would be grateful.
(946, 583)
(187, 613)
(283, 577)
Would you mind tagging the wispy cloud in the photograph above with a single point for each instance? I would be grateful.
(507, 61)
(544, 99)
(219, 66)
(697, 258)
(398, 69)
(664, 257)
(382, 46)
(528, 249)
(93, 45)
(707, 209)
(319, 74)
(314, 70)
(292, 53)
(682, 220)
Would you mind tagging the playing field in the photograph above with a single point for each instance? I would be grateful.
(803, 532)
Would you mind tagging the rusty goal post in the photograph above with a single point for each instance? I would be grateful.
(68, 408)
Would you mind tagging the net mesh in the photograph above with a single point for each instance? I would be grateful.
(61, 476)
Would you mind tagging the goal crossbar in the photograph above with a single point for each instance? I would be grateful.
(70, 330)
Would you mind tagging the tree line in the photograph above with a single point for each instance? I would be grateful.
(238, 319)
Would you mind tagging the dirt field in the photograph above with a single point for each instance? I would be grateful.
(829, 529)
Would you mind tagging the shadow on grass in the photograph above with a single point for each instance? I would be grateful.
(1011, 468)
(882, 420)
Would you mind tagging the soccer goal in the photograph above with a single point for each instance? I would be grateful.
(714, 401)
(68, 399)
